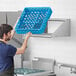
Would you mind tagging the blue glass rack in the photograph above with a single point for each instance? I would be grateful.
(34, 20)
(27, 71)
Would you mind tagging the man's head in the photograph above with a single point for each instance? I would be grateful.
(5, 31)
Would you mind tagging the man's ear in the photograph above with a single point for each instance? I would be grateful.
(4, 36)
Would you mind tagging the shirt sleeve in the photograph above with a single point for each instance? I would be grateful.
(11, 50)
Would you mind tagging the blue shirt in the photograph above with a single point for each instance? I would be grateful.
(7, 53)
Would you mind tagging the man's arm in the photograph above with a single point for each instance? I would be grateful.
(24, 45)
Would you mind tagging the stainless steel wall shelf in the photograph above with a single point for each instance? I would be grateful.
(56, 27)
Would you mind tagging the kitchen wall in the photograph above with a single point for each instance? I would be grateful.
(63, 49)
(53, 47)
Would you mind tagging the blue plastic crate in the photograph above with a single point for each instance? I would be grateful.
(34, 20)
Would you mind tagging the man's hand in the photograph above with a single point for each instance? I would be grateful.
(28, 35)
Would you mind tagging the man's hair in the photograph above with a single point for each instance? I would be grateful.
(4, 29)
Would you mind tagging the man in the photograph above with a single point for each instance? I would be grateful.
(7, 51)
